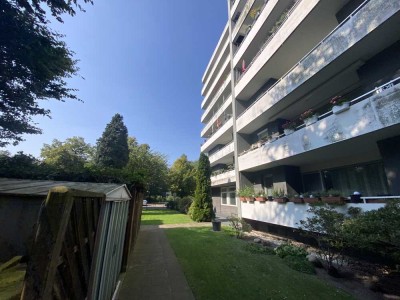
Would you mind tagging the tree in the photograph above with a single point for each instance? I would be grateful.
(20, 165)
(147, 167)
(34, 62)
(201, 209)
(112, 147)
(182, 177)
(69, 156)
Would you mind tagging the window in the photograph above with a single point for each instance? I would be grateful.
(228, 196)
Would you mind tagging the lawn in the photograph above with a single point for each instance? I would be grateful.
(217, 266)
(163, 216)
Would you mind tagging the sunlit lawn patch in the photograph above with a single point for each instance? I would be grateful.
(218, 266)
(163, 216)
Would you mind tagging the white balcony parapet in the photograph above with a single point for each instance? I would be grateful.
(221, 153)
(267, 41)
(223, 178)
(366, 18)
(213, 138)
(217, 94)
(378, 109)
(219, 115)
(217, 61)
(211, 106)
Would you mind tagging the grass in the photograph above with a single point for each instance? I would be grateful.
(163, 216)
(219, 266)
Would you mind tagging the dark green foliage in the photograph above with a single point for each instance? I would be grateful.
(258, 249)
(112, 147)
(201, 209)
(288, 249)
(180, 204)
(299, 263)
(326, 227)
(34, 63)
(376, 230)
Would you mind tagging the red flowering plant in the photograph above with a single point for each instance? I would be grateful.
(289, 125)
(338, 100)
(307, 114)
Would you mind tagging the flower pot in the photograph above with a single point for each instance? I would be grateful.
(311, 120)
(250, 199)
(337, 109)
(261, 199)
(297, 200)
(243, 199)
(288, 131)
(333, 200)
(281, 200)
(311, 200)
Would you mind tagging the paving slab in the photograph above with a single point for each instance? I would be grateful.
(153, 271)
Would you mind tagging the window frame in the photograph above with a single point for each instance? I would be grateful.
(227, 191)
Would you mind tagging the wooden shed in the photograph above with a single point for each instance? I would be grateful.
(21, 208)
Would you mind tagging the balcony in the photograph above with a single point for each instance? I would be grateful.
(223, 178)
(219, 80)
(368, 30)
(371, 117)
(219, 61)
(210, 113)
(223, 113)
(222, 156)
(244, 16)
(222, 135)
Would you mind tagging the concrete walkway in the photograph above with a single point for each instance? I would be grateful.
(153, 272)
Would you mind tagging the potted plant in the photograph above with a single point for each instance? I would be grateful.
(339, 104)
(279, 196)
(297, 199)
(289, 127)
(309, 117)
(261, 196)
(333, 197)
(310, 197)
(246, 193)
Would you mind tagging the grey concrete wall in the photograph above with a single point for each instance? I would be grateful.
(222, 210)
(18, 216)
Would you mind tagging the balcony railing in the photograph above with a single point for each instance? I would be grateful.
(220, 153)
(243, 16)
(218, 112)
(223, 122)
(285, 15)
(236, 48)
(308, 54)
(221, 89)
(388, 85)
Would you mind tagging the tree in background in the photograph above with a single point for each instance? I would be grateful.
(69, 156)
(201, 209)
(20, 165)
(34, 62)
(182, 177)
(112, 148)
(147, 166)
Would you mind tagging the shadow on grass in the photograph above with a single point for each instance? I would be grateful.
(152, 222)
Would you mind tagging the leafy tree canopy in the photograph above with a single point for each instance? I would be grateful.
(34, 63)
(182, 177)
(68, 156)
(112, 147)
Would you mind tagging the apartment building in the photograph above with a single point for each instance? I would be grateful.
(278, 60)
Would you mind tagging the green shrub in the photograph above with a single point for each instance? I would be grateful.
(258, 249)
(288, 249)
(239, 226)
(299, 263)
(172, 204)
(183, 204)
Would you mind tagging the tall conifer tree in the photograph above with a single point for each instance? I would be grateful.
(112, 147)
(201, 209)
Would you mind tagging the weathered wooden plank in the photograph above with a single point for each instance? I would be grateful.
(89, 225)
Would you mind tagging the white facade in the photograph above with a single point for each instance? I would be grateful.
(274, 61)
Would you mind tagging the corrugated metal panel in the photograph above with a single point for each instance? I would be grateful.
(111, 244)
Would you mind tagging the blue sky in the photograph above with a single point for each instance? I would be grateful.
(144, 60)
